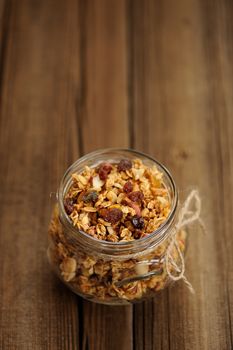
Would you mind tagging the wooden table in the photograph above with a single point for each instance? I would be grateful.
(80, 75)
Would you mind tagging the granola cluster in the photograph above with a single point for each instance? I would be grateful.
(118, 202)
(113, 202)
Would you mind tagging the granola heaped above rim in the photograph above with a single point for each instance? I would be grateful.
(118, 201)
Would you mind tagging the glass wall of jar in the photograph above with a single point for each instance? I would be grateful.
(112, 272)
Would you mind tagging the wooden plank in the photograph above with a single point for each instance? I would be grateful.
(104, 124)
(106, 327)
(219, 54)
(182, 103)
(2, 4)
(40, 88)
(4, 25)
(65, 76)
(4, 13)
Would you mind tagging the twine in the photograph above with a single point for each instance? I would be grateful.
(187, 216)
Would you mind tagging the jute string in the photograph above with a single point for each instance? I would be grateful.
(189, 212)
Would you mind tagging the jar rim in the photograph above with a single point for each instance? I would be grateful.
(156, 236)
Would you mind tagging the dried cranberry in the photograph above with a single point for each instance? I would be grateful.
(90, 197)
(103, 175)
(104, 170)
(93, 218)
(69, 205)
(128, 187)
(125, 164)
(137, 221)
(136, 196)
(80, 196)
(111, 215)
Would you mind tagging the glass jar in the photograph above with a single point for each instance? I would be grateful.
(112, 272)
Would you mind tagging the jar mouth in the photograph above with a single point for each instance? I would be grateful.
(93, 159)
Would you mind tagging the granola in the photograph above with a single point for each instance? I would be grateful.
(115, 202)
(118, 202)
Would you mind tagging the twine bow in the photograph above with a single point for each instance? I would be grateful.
(187, 216)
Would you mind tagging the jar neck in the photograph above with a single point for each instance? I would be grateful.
(127, 249)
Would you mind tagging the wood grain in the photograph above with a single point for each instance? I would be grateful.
(80, 75)
(40, 81)
(182, 75)
(4, 26)
(104, 122)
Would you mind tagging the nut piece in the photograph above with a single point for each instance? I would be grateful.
(141, 269)
(112, 196)
(68, 276)
(68, 268)
(133, 205)
(68, 265)
(82, 179)
(97, 183)
(138, 173)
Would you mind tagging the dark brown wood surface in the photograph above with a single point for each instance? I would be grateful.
(79, 75)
